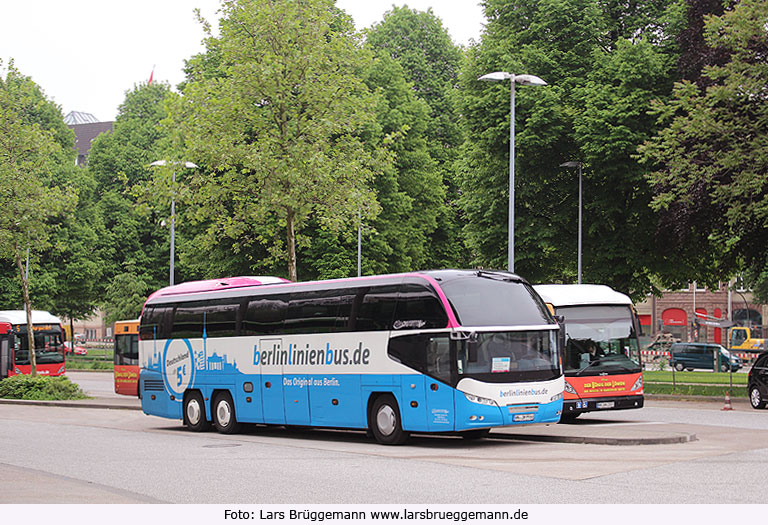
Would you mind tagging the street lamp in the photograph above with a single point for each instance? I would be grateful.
(523, 80)
(173, 203)
(574, 164)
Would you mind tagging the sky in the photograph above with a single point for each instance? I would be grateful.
(86, 54)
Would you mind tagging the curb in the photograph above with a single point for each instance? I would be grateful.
(593, 440)
(85, 403)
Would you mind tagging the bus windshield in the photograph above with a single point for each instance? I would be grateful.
(127, 349)
(49, 348)
(600, 339)
(508, 357)
(495, 302)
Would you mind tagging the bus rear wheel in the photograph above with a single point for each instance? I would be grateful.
(194, 413)
(384, 421)
(224, 418)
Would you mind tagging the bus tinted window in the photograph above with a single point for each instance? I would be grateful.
(221, 318)
(418, 307)
(427, 353)
(374, 308)
(313, 312)
(188, 321)
(480, 301)
(265, 315)
(155, 323)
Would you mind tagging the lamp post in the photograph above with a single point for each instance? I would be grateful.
(523, 80)
(173, 205)
(359, 241)
(574, 164)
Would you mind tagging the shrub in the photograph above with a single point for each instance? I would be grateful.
(40, 388)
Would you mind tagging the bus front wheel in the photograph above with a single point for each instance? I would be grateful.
(385, 423)
(224, 414)
(194, 413)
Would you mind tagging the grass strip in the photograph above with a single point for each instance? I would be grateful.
(694, 390)
(709, 378)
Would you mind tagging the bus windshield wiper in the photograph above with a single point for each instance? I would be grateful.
(499, 276)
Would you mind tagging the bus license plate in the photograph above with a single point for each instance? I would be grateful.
(606, 404)
(524, 417)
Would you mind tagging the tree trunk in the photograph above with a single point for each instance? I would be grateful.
(289, 222)
(28, 310)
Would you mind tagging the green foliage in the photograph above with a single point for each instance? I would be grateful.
(420, 44)
(277, 127)
(708, 378)
(710, 159)
(604, 63)
(39, 388)
(131, 240)
(694, 390)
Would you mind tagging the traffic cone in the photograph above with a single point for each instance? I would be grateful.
(727, 401)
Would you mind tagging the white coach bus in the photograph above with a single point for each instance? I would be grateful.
(449, 351)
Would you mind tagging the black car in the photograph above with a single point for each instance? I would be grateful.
(757, 387)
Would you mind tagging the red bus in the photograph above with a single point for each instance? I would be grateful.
(602, 351)
(14, 346)
(127, 357)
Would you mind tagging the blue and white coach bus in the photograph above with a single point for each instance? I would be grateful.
(449, 351)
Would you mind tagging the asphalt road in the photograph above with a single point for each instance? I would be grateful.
(83, 455)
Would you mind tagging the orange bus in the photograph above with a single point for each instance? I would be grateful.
(602, 351)
(127, 357)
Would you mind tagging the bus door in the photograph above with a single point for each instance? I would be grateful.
(296, 395)
(5, 351)
(272, 399)
(439, 395)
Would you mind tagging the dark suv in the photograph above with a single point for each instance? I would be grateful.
(757, 385)
(687, 356)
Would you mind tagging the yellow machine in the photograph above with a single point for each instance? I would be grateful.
(744, 339)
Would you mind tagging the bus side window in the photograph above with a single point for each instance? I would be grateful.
(312, 312)
(188, 321)
(155, 323)
(265, 315)
(426, 353)
(221, 318)
(373, 308)
(419, 307)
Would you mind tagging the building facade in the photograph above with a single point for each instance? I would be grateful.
(692, 314)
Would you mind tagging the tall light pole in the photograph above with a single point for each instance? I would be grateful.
(173, 205)
(359, 241)
(573, 164)
(523, 80)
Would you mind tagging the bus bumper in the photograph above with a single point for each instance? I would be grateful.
(579, 406)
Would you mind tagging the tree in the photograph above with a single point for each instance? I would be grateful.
(710, 160)
(431, 63)
(276, 127)
(604, 63)
(29, 199)
(131, 240)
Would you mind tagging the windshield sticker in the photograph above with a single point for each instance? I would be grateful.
(500, 364)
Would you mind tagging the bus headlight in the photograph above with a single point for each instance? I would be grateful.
(556, 397)
(569, 388)
(638, 383)
(481, 400)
